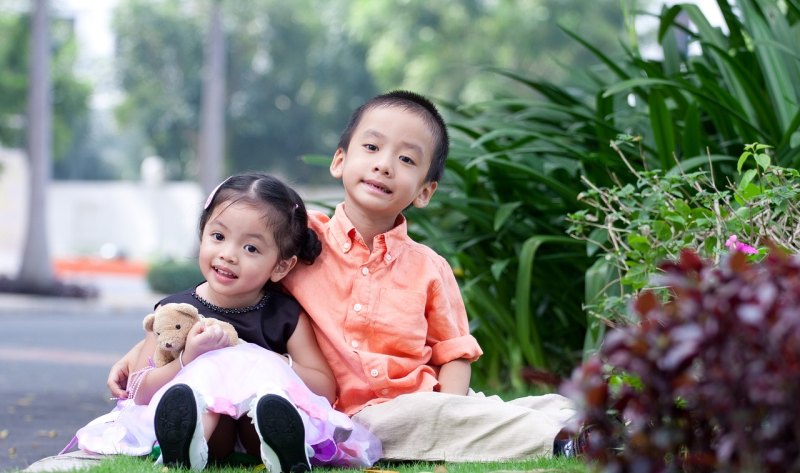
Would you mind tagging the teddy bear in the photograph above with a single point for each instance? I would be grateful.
(171, 323)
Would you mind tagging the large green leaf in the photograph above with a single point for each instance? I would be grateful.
(528, 332)
(778, 71)
(662, 128)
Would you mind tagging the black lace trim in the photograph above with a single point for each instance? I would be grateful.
(236, 310)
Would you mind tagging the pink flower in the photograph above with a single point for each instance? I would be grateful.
(733, 243)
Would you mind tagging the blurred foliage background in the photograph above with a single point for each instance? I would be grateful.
(295, 71)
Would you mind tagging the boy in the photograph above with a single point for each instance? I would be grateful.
(388, 313)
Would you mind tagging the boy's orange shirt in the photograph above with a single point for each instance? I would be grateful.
(384, 319)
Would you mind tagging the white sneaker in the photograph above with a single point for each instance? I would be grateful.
(179, 428)
(280, 428)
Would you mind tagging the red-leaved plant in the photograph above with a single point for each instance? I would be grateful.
(708, 380)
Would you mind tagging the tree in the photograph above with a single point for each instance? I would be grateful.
(292, 81)
(444, 48)
(71, 94)
(36, 269)
(296, 70)
(298, 77)
(212, 118)
(159, 52)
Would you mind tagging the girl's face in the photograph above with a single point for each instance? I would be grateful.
(238, 255)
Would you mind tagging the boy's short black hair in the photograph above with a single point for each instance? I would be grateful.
(415, 103)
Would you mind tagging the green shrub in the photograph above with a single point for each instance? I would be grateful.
(633, 227)
(168, 277)
(517, 163)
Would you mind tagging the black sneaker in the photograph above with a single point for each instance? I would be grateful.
(179, 429)
(280, 428)
(569, 443)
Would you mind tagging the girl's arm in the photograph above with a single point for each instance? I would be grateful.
(199, 340)
(454, 377)
(308, 361)
(117, 381)
(154, 378)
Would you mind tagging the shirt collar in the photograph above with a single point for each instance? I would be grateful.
(345, 232)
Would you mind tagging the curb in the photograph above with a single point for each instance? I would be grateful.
(23, 304)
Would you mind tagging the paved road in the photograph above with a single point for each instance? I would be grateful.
(54, 360)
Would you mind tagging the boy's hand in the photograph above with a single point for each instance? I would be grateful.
(117, 380)
(202, 339)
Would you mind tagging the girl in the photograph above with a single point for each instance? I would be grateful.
(253, 230)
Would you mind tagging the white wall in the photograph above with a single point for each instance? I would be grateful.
(143, 221)
(13, 205)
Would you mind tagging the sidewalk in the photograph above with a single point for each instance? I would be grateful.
(37, 421)
(116, 293)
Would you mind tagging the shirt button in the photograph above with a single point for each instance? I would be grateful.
(357, 307)
(354, 344)
(346, 246)
(373, 372)
(365, 271)
(387, 258)
(384, 391)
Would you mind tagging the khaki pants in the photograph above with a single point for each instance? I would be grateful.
(445, 427)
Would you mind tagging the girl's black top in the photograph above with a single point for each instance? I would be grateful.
(269, 327)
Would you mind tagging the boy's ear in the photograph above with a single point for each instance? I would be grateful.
(424, 194)
(282, 268)
(338, 163)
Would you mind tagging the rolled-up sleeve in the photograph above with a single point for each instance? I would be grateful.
(448, 327)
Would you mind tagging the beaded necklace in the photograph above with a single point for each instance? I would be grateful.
(236, 310)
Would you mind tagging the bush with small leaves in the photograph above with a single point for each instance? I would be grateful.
(709, 379)
(167, 277)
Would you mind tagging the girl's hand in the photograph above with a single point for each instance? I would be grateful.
(202, 339)
(117, 381)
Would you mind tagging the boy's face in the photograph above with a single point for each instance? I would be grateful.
(384, 168)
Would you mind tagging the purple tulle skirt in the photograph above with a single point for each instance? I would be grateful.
(229, 380)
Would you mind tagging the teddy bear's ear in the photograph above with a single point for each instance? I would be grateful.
(189, 311)
(148, 321)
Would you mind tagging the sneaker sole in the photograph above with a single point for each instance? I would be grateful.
(175, 421)
(281, 427)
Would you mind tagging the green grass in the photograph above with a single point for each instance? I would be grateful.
(125, 464)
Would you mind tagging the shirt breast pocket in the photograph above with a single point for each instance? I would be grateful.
(399, 326)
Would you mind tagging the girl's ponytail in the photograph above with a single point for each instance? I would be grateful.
(310, 247)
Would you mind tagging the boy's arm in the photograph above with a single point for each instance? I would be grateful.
(454, 377)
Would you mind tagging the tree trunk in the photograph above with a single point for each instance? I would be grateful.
(36, 268)
(211, 149)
